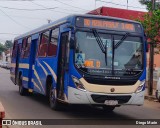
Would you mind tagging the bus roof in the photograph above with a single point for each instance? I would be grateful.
(69, 19)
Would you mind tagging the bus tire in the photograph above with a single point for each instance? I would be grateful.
(53, 102)
(108, 108)
(22, 90)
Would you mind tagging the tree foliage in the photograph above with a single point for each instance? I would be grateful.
(151, 24)
(8, 44)
(2, 48)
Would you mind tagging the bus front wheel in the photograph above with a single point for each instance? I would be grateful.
(22, 90)
(54, 104)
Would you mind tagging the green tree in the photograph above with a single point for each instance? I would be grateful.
(8, 44)
(151, 24)
(2, 48)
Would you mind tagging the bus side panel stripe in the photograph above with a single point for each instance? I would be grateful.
(25, 78)
(36, 85)
(26, 66)
(43, 69)
(52, 72)
(13, 65)
(21, 65)
(36, 74)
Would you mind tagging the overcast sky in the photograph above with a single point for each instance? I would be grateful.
(20, 16)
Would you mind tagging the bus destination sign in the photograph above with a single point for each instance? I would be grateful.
(107, 24)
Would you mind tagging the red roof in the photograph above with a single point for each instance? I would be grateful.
(117, 12)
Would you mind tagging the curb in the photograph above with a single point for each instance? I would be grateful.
(150, 97)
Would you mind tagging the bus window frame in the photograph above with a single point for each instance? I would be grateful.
(50, 35)
(24, 49)
(14, 46)
(39, 43)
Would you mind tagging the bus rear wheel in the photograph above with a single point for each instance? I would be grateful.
(108, 108)
(22, 90)
(53, 102)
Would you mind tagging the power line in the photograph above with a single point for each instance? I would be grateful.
(12, 19)
(70, 5)
(46, 8)
(22, 9)
(120, 4)
(8, 34)
(28, 18)
(30, 0)
(68, 10)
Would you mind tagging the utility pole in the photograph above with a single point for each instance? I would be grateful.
(49, 21)
(151, 61)
(127, 4)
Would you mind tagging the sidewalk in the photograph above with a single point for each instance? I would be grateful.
(152, 97)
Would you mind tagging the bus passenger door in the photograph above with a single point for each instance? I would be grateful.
(14, 62)
(63, 63)
(17, 62)
(32, 62)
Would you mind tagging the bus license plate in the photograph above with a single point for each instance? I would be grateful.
(111, 102)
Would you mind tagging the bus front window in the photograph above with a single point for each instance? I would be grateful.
(90, 58)
(128, 55)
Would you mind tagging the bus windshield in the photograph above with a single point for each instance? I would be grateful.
(121, 57)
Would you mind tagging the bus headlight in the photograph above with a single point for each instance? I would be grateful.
(78, 84)
(140, 87)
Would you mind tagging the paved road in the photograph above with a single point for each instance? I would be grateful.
(36, 107)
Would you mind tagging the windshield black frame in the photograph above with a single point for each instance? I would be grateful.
(112, 33)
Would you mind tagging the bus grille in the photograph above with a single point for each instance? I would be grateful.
(102, 98)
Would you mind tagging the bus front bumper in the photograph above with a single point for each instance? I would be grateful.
(76, 96)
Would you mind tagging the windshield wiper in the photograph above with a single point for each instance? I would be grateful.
(100, 43)
(122, 39)
(99, 40)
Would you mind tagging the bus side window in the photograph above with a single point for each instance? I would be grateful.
(24, 43)
(52, 47)
(42, 52)
(27, 49)
(14, 49)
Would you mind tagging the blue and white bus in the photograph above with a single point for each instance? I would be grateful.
(83, 59)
